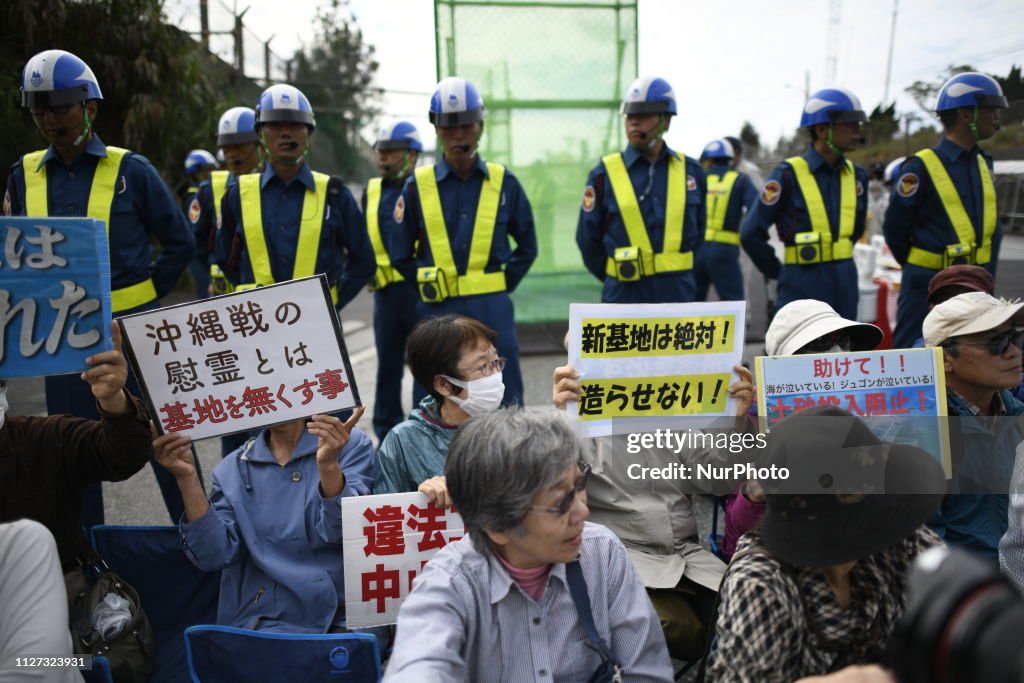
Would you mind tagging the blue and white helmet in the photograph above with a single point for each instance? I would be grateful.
(198, 159)
(286, 103)
(718, 149)
(649, 95)
(456, 102)
(970, 89)
(892, 170)
(399, 135)
(832, 105)
(237, 125)
(56, 77)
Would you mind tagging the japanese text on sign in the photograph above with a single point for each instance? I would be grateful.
(54, 295)
(242, 361)
(653, 396)
(388, 539)
(605, 338)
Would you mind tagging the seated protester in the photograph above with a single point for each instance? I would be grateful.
(654, 519)
(272, 523)
(496, 605)
(46, 462)
(981, 349)
(32, 604)
(821, 584)
(800, 327)
(454, 357)
(1011, 546)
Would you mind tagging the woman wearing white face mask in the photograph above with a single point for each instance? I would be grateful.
(455, 358)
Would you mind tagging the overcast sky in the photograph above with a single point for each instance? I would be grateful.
(728, 61)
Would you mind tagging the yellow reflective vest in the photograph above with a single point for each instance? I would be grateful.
(385, 273)
(474, 280)
(669, 259)
(101, 197)
(966, 249)
(719, 194)
(820, 237)
(310, 227)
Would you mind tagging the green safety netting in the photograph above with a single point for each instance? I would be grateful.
(551, 75)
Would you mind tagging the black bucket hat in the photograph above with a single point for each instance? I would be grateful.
(848, 495)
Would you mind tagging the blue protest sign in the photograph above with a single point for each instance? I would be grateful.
(54, 295)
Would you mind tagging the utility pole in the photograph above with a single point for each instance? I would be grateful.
(892, 42)
(204, 24)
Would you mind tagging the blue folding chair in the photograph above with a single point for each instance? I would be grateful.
(174, 592)
(225, 654)
(100, 671)
(714, 538)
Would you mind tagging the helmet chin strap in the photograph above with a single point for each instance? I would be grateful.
(658, 133)
(402, 171)
(87, 128)
(973, 125)
(831, 146)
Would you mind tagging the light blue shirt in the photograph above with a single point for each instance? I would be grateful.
(467, 620)
(275, 537)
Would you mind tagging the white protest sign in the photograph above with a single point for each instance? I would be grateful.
(641, 364)
(242, 361)
(902, 391)
(388, 539)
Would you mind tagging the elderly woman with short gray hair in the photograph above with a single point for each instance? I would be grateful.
(534, 592)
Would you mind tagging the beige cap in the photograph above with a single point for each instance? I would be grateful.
(968, 314)
(800, 322)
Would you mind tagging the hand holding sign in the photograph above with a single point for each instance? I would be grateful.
(565, 386)
(174, 452)
(332, 435)
(107, 373)
(743, 390)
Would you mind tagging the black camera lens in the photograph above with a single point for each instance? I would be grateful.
(964, 623)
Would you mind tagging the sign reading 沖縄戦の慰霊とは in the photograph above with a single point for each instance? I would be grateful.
(242, 361)
(54, 295)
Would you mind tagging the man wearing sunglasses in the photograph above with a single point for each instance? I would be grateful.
(78, 175)
(981, 339)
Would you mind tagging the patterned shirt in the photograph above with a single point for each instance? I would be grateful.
(778, 623)
(1011, 547)
(467, 620)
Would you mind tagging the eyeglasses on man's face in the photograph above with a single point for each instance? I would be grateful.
(55, 109)
(997, 344)
(565, 504)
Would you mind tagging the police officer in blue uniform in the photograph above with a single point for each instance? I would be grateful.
(199, 164)
(78, 175)
(455, 219)
(643, 215)
(942, 210)
(818, 203)
(394, 298)
(730, 194)
(238, 143)
(290, 222)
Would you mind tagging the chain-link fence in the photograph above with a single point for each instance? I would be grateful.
(551, 74)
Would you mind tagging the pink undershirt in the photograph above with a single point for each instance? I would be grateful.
(532, 581)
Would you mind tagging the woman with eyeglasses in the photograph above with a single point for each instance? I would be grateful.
(455, 358)
(533, 591)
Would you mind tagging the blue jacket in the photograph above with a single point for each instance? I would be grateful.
(600, 229)
(143, 208)
(275, 538)
(409, 247)
(787, 210)
(919, 219)
(975, 514)
(344, 253)
(414, 450)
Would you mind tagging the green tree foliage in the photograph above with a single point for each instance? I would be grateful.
(1013, 87)
(882, 124)
(750, 139)
(159, 90)
(335, 73)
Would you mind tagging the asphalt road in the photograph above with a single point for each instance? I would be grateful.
(138, 501)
